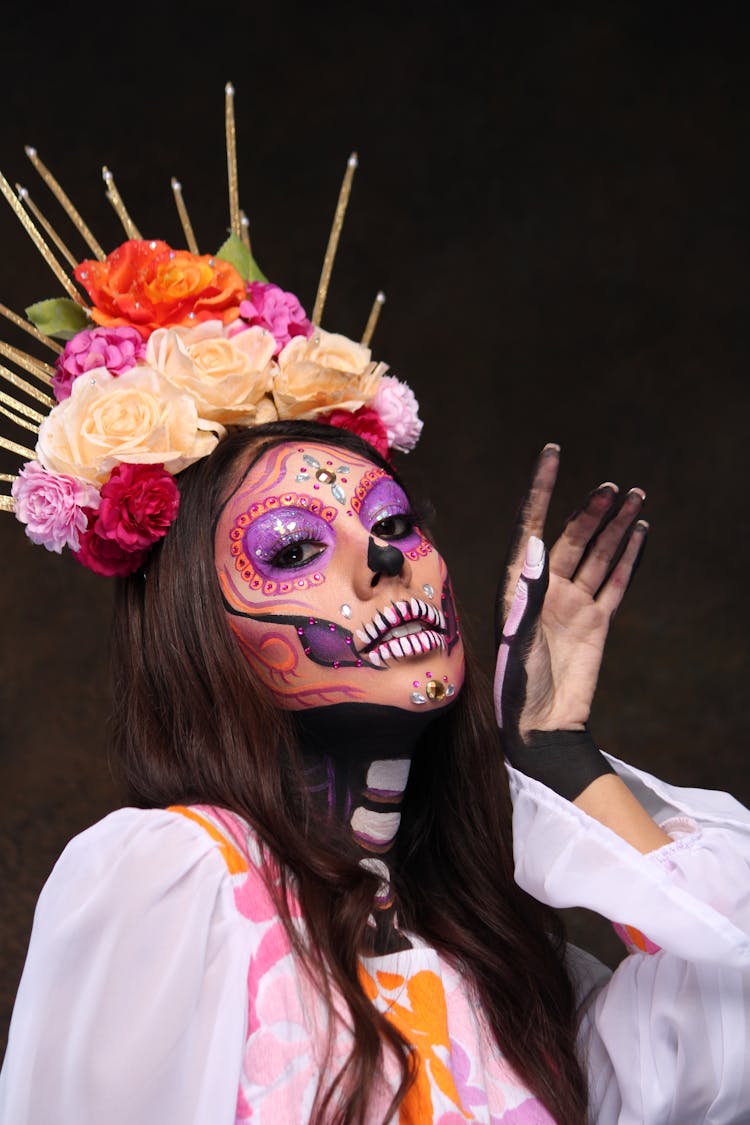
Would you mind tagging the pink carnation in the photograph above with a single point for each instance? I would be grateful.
(117, 349)
(270, 307)
(107, 557)
(364, 422)
(138, 504)
(397, 407)
(52, 506)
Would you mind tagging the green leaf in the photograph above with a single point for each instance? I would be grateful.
(237, 254)
(59, 317)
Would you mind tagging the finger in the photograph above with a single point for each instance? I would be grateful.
(613, 590)
(606, 548)
(566, 555)
(517, 634)
(529, 521)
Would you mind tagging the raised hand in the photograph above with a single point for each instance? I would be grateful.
(553, 615)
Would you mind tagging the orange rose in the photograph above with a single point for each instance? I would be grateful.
(148, 285)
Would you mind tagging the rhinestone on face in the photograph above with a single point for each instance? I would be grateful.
(428, 590)
(435, 690)
(346, 610)
(417, 697)
(325, 476)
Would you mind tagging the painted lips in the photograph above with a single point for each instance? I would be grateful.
(403, 629)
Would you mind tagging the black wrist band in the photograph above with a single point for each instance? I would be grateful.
(564, 760)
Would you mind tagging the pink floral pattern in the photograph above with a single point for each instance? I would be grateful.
(464, 1077)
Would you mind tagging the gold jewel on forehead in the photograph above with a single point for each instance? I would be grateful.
(324, 476)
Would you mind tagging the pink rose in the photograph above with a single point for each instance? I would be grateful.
(279, 312)
(52, 506)
(117, 349)
(397, 407)
(138, 504)
(107, 557)
(364, 422)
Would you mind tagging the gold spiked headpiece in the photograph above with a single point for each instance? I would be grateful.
(163, 351)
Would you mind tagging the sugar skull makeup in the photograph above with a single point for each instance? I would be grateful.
(330, 587)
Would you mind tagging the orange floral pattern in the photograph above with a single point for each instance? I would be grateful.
(149, 285)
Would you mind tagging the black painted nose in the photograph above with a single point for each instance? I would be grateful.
(383, 560)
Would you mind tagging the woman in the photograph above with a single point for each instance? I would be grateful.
(324, 901)
(310, 912)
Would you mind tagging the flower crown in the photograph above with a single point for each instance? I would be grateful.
(172, 349)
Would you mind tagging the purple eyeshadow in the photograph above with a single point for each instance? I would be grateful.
(386, 498)
(280, 528)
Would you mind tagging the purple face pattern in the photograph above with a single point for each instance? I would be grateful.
(332, 589)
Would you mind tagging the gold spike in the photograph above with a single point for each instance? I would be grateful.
(39, 242)
(27, 388)
(14, 447)
(63, 199)
(24, 196)
(32, 330)
(187, 226)
(22, 408)
(245, 226)
(231, 141)
(333, 239)
(7, 504)
(372, 320)
(43, 371)
(114, 197)
(14, 417)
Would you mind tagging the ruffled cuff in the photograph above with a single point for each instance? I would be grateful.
(691, 897)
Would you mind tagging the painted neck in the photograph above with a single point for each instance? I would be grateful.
(357, 758)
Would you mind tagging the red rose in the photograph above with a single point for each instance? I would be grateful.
(106, 557)
(138, 504)
(363, 422)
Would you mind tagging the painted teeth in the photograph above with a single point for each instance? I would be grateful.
(403, 609)
(407, 628)
(372, 631)
(415, 609)
(390, 615)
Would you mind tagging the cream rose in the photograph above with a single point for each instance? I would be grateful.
(323, 373)
(228, 377)
(137, 418)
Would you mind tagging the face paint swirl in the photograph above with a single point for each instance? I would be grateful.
(330, 587)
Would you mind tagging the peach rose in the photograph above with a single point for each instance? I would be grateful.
(322, 373)
(136, 418)
(228, 378)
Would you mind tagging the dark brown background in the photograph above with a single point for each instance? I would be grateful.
(554, 198)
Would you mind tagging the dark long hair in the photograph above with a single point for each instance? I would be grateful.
(192, 724)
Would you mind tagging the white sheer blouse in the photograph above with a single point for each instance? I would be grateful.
(133, 1005)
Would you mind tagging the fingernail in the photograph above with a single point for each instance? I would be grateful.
(551, 447)
(534, 551)
(607, 485)
(637, 492)
(642, 526)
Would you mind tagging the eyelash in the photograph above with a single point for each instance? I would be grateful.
(303, 535)
(412, 519)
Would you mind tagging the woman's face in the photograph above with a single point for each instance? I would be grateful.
(332, 591)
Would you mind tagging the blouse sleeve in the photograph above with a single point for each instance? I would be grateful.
(131, 1006)
(666, 1036)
